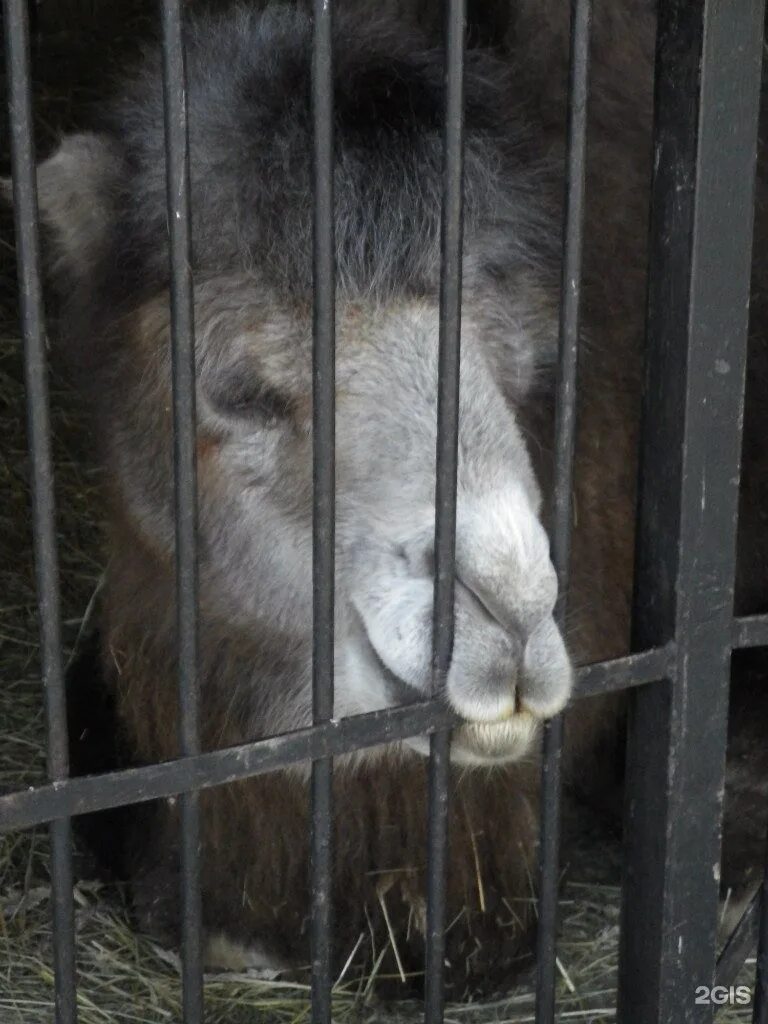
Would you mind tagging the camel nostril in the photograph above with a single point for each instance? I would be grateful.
(495, 610)
(518, 603)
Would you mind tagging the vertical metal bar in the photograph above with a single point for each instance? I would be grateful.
(760, 1015)
(185, 480)
(445, 495)
(16, 27)
(707, 96)
(565, 438)
(437, 867)
(324, 480)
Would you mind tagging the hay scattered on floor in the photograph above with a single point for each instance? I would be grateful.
(125, 978)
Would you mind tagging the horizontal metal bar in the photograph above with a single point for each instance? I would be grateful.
(84, 794)
(751, 631)
(136, 785)
(625, 673)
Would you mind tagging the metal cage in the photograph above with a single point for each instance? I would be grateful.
(708, 72)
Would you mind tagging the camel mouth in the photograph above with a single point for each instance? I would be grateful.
(486, 742)
(495, 743)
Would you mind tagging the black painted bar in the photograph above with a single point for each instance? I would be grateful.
(40, 804)
(707, 94)
(751, 631)
(445, 496)
(623, 673)
(323, 454)
(16, 31)
(185, 489)
(86, 793)
(565, 440)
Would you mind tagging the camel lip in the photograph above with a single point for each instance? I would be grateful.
(397, 689)
(399, 692)
(474, 744)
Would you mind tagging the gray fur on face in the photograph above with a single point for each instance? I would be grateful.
(250, 139)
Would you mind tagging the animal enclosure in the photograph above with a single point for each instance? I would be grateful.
(707, 96)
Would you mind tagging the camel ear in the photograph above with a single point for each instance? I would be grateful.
(76, 188)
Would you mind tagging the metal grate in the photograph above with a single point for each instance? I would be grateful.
(707, 90)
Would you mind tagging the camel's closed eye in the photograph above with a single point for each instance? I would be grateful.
(241, 392)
